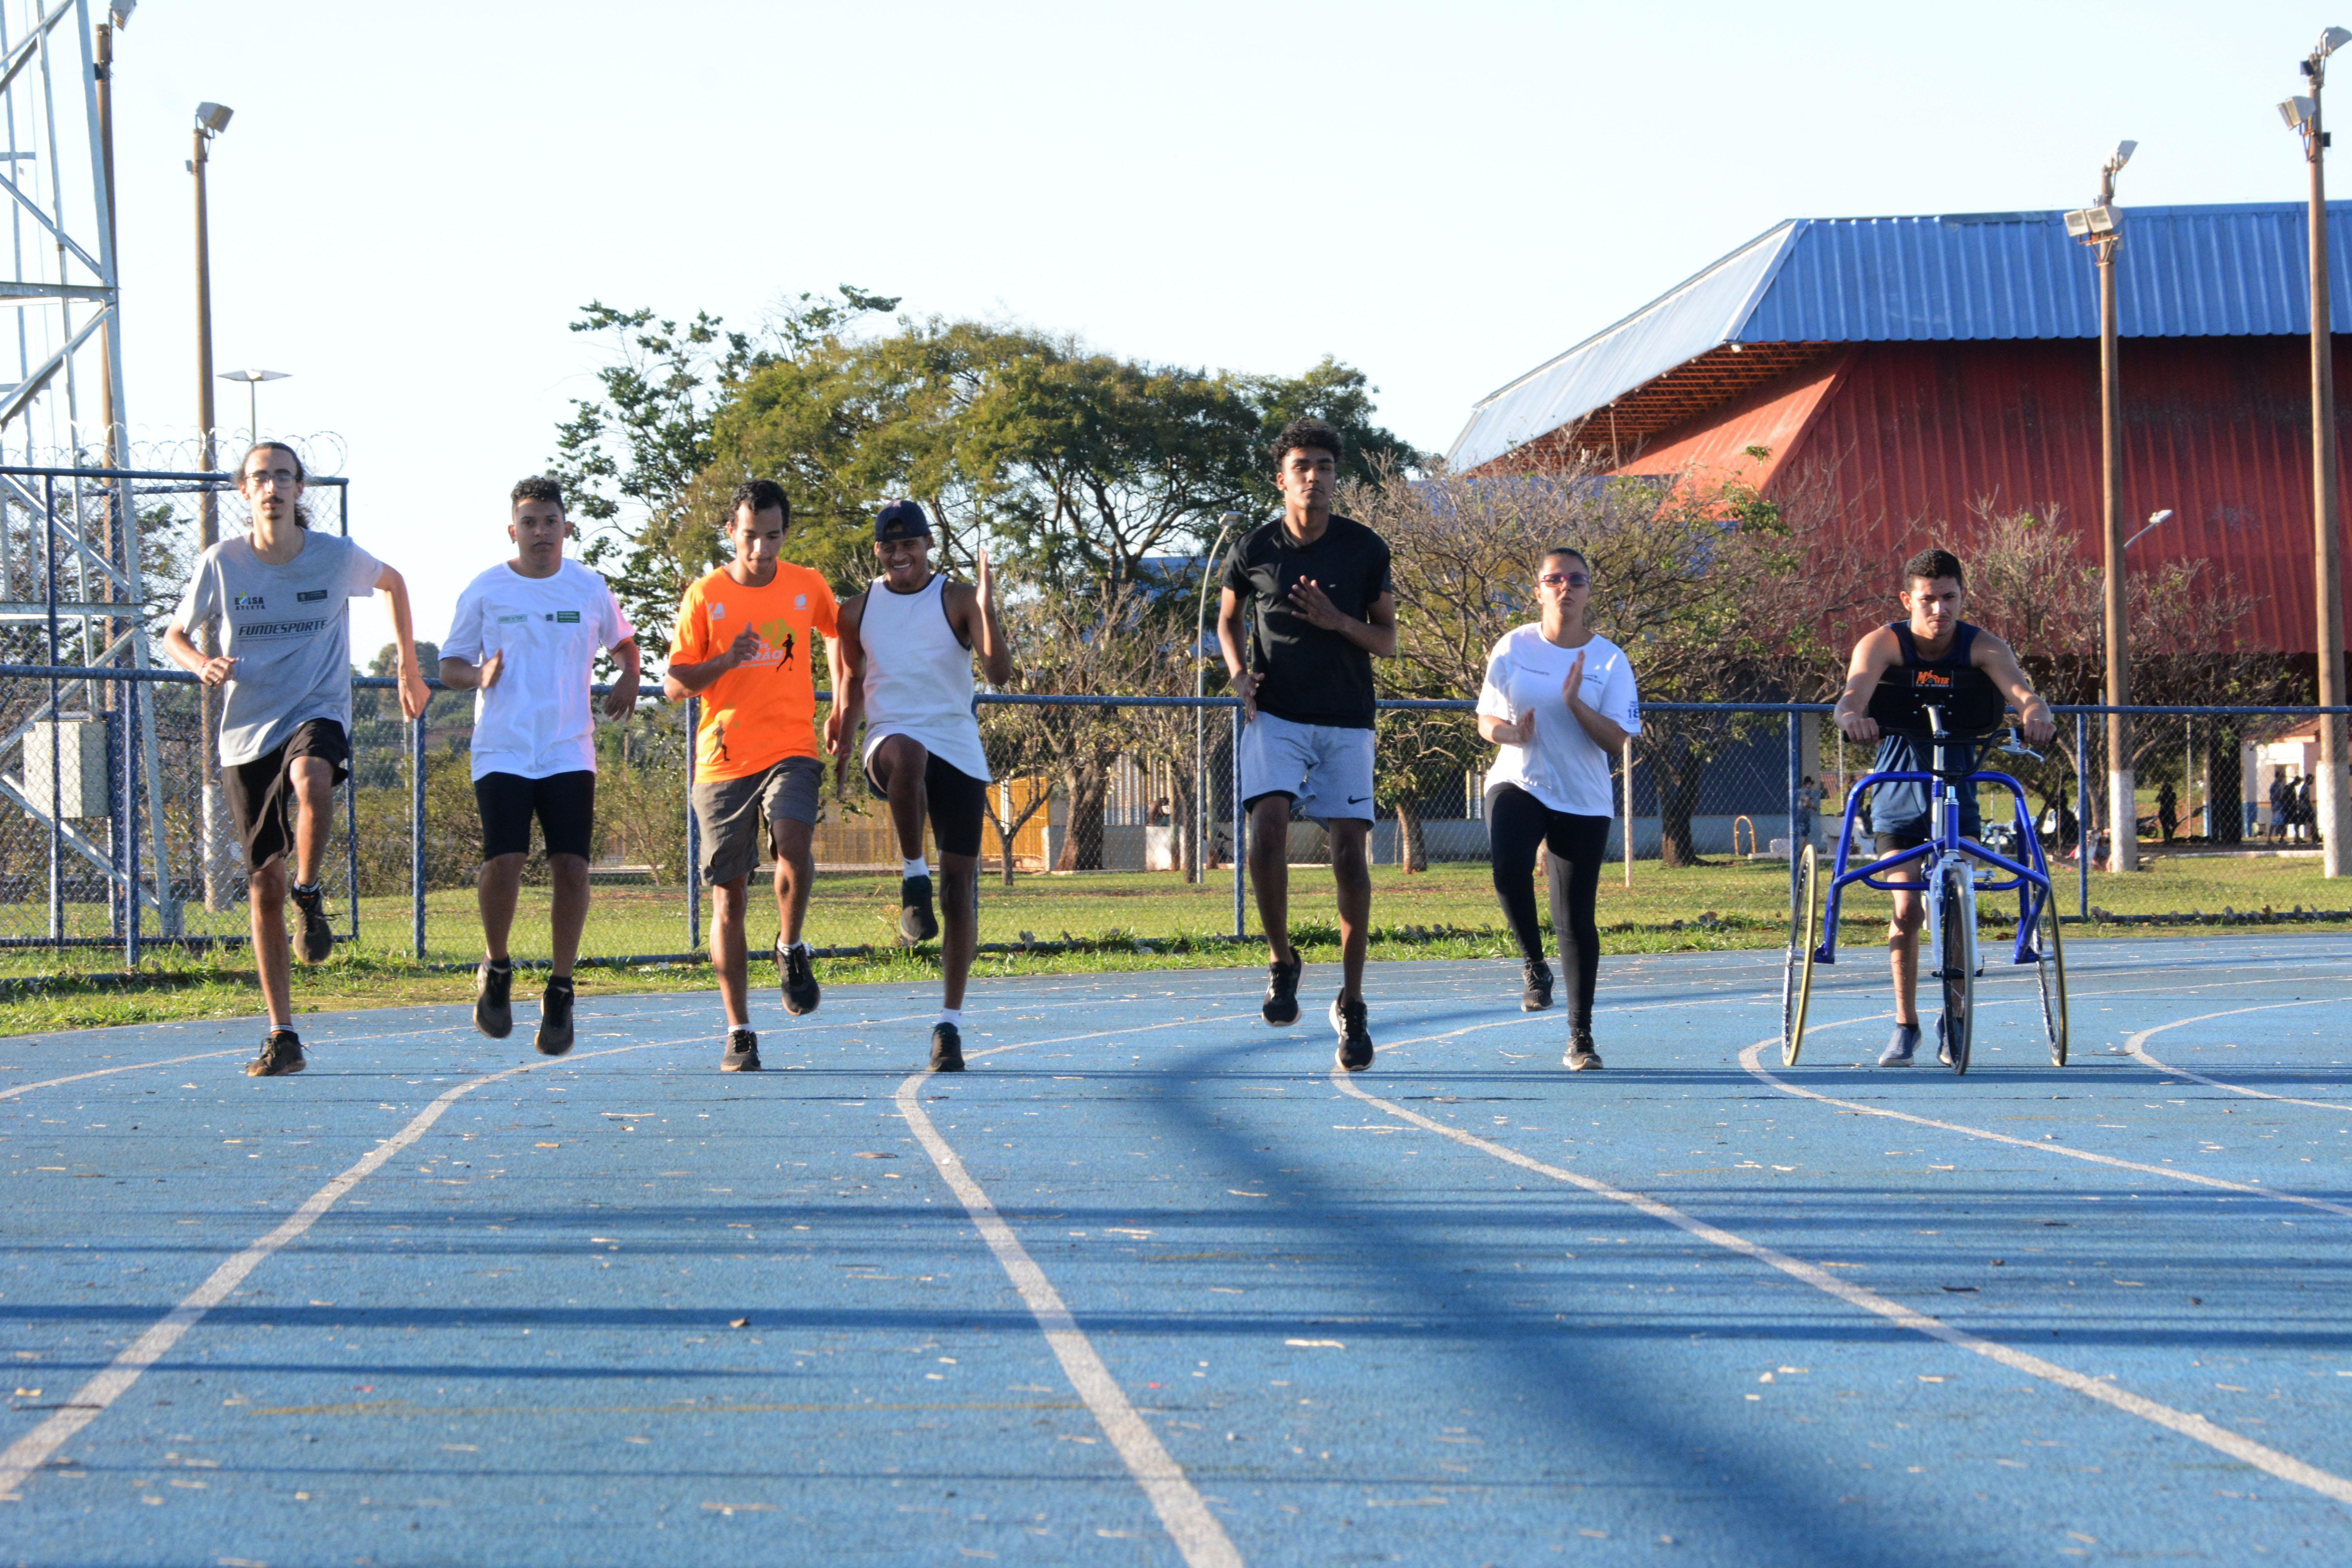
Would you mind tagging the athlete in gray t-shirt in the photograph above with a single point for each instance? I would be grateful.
(284, 594)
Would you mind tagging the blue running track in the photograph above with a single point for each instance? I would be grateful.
(1152, 1283)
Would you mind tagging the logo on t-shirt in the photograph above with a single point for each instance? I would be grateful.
(800, 601)
(719, 610)
(512, 620)
(250, 602)
(308, 595)
(568, 617)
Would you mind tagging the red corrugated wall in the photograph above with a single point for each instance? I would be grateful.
(1914, 436)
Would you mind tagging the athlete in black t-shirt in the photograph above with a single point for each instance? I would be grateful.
(1933, 635)
(1320, 586)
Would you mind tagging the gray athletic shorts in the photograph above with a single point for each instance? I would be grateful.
(1325, 769)
(728, 813)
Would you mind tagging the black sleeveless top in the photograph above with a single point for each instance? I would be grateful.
(1905, 808)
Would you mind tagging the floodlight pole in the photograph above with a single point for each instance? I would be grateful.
(2123, 803)
(2327, 561)
(213, 837)
(1199, 825)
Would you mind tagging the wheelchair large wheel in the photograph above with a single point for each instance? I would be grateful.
(2051, 971)
(1956, 966)
(1804, 936)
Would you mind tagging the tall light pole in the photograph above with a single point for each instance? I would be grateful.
(2301, 115)
(2099, 227)
(211, 118)
(1199, 856)
(253, 380)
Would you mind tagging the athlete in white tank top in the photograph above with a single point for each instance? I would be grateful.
(906, 648)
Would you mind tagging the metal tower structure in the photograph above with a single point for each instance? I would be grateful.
(69, 548)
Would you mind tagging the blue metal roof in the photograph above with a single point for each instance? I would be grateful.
(2184, 271)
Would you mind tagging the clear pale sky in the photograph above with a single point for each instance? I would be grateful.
(414, 199)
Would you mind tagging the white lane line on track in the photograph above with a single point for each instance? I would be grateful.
(1751, 1059)
(2286, 1467)
(131, 1067)
(2134, 1046)
(1198, 1535)
(87, 1404)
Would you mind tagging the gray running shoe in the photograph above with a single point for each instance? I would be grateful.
(493, 999)
(281, 1054)
(916, 923)
(799, 976)
(317, 939)
(554, 1036)
(1349, 1022)
(1281, 1004)
(742, 1052)
(1899, 1050)
(1536, 997)
(1581, 1057)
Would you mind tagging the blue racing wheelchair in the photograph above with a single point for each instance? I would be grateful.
(1944, 708)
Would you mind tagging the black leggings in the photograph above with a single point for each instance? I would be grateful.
(1516, 823)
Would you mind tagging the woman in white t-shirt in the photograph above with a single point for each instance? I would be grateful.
(1559, 701)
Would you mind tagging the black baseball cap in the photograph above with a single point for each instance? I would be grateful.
(901, 519)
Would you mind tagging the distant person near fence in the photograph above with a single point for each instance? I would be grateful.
(907, 647)
(1933, 638)
(1325, 606)
(284, 591)
(746, 642)
(1561, 701)
(523, 640)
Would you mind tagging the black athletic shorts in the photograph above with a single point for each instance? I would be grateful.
(565, 805)
(958, 801)
(261, 800)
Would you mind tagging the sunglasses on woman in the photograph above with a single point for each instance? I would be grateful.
(1563, 579)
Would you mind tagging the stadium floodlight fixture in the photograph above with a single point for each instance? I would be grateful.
(2298, 112)
(2091, 222)
(119, 11)
(2123, 155)
(2332, 40)
(211, 118)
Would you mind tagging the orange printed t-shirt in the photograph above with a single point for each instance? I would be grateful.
(763, 709)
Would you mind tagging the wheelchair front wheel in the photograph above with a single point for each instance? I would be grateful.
(1956, 963)
(2051, 971)
(1804, 936)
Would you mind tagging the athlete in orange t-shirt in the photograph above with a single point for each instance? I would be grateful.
(745, 637)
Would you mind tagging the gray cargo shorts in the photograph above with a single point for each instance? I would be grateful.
(728, 813)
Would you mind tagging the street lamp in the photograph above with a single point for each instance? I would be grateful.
(2100, 227)
(1200, 859)
(211, 118)
(253, 380)
(2154, 521)
(2302, 116)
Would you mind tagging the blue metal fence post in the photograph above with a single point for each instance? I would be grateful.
(2082, 815)
(1796, 777)
(417, 834)
(694, 830)
(130, 825)
(352, 845)
(1241, 828)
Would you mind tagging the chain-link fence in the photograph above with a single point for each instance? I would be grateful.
(1110, 818)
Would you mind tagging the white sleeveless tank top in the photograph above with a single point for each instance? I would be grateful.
(918, 676)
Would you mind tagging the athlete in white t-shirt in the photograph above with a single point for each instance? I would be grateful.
(524, 639)
(904, 653)
(1560, 701)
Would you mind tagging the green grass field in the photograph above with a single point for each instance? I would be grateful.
(1110, 920)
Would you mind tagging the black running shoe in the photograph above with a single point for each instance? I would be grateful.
(1581, 1057)
(554, 1036)
(801, 993)
(493, 999)
(1537, 995)
(742, 1052)
(1282, 992)
(947, 1047)
(916, 923)
(281, 1054)
(1355, 1051)
(317, 939)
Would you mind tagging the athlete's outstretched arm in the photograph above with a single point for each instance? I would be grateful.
(680, 681)
(622, 700)
(845, 660)
(1873, 657)
(1999, 660)
(414, 695)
